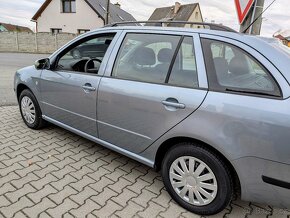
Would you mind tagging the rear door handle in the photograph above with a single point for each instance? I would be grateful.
(88, 87)
(173, 104)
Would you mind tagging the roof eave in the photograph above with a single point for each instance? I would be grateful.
(40, 10)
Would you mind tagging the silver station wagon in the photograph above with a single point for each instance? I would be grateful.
(208, 107)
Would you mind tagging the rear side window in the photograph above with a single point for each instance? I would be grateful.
(145, 57)
(154, 58)
(231, 69)
(184, 71)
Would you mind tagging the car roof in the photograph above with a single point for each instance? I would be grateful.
(169, 29)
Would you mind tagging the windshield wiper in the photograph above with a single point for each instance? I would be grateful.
(252, 92)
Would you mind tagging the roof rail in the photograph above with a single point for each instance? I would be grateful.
(161, 23)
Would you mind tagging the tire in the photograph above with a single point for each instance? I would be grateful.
(30, 110)
(183, 188)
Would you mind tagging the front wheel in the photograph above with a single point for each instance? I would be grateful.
(30, 110)
(197, 179)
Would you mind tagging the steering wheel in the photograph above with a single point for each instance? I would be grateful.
(91, 61)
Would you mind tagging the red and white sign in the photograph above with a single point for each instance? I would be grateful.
(243, 8)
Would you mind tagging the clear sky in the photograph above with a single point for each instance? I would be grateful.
(221, 11)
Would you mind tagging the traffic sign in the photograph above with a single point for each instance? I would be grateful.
(243, 8)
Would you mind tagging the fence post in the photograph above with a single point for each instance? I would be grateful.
(36, 43)
(55, 38)
(17, 41)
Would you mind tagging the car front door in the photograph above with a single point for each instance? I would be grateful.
(69, 89)
(151, 87)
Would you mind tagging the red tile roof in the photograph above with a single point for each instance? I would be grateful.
(15, 28)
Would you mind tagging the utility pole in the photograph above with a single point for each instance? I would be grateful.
(256, 12)
(107, 12)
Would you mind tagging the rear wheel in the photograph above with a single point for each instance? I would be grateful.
(197, 179)
(30, 110)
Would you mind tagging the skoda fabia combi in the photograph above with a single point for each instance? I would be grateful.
(209, 108)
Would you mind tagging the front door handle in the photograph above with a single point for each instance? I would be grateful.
(173, 104)
(88, 87)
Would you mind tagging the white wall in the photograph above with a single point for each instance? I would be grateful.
(84, 18)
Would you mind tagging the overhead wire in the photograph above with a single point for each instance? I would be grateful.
(251, 24)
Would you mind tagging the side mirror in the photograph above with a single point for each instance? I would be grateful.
(42, 64)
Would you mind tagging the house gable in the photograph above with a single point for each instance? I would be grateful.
(184, 13)
(196, 16)
(97, 7)
(40, 10)
(51, 17)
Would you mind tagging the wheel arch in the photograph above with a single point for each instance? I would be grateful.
(169, 143)
(19, 89)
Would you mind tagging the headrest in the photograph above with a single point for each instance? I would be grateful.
(221, 65)
(144, 56)
(238, 66)
(165, 55)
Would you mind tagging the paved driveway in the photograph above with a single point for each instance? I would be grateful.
(54, 173)
(9, 63)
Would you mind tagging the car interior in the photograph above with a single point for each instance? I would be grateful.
(236, 69)
(145, 63)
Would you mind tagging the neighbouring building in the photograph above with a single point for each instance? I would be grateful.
(77, 16)
(179, 12)
(5, 27)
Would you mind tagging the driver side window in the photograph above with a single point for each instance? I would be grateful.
(86, 55)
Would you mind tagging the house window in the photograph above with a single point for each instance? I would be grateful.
(196, 15)
(81, 31)
(68, 6)
(56, 30)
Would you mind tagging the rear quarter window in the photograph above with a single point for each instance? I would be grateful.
(231, 69)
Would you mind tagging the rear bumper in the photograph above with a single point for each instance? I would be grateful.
(264, 181)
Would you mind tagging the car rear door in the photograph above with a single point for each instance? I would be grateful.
(152, 82)
(69, 95)
(247, 105)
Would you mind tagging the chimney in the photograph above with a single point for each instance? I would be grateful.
(118, 4)
(176, 7)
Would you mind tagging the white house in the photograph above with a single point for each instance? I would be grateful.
(76, 16)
